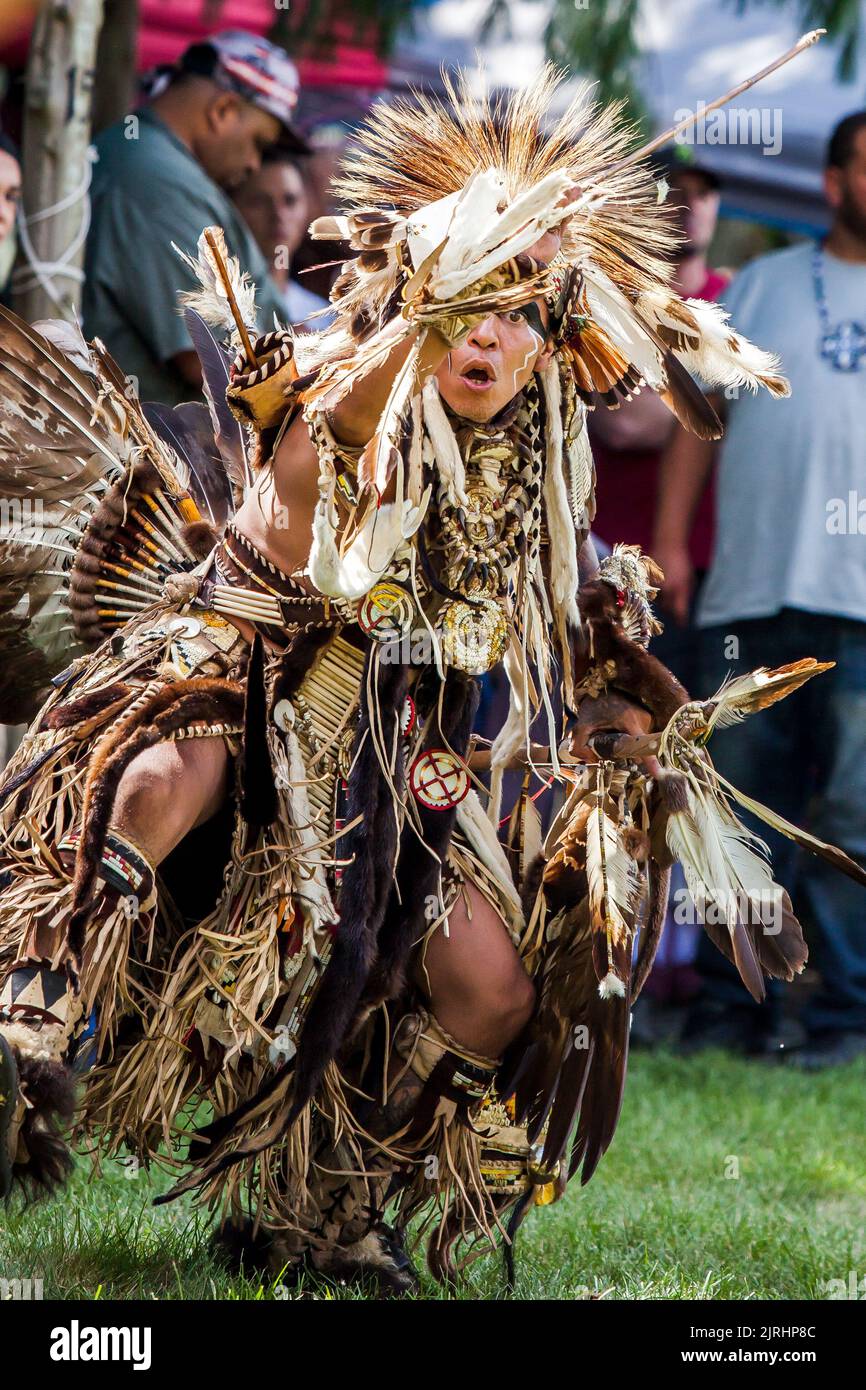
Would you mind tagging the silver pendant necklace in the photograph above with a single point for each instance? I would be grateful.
(843, 345)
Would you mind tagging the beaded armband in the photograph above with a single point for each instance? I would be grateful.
(123, 867)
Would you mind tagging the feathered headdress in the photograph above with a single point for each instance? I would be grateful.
(439, 194)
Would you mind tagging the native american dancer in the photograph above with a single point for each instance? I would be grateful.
(247, 859)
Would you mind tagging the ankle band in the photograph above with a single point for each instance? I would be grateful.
(123, 867)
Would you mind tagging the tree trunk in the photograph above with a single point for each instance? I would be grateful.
(55, 158)
(114, 91)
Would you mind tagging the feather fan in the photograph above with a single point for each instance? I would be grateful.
(69, 437)
(739, 696)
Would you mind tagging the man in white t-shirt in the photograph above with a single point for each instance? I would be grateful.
(787, 580)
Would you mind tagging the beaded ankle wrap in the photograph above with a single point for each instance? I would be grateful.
(124, 869)
(449, 1072)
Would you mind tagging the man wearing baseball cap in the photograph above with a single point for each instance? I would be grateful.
(163, 174)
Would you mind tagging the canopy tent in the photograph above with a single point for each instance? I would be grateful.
(337, 86)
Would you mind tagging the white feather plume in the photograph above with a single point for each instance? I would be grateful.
(608, 871)
(563, 543)
(613, 312)
(383, 531)
(480, 239)
(711, 348)
(211, 300)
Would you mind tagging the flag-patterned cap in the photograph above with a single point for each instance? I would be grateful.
(254, 68)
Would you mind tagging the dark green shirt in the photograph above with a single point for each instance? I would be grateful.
(148, 191)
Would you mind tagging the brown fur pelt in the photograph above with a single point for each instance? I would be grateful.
(96, 702)
(50, 1091)
(626, 665)
(201, 538)
(371, 849)
(296, 662)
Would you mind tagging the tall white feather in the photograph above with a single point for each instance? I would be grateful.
(211, 300)
(563, 540)
(579, 462)
(607, 870)
(446, 451)
(722, 357)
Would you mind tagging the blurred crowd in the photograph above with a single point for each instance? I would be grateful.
(761, 566)
(761, 538)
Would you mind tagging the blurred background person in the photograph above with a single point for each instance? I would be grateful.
(787, 580)
(10, 197)
(274, 202)
(628, 444)
(163, 174)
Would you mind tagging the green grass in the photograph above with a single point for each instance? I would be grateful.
(660, 1219)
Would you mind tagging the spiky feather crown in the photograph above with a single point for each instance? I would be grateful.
(408, 154)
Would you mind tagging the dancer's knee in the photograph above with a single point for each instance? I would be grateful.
(166, 791)
(479, 989)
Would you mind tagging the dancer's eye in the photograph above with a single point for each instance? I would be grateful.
(517, 316)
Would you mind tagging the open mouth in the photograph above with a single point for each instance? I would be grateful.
(478, 376)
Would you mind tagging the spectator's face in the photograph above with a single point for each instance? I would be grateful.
(274, 204)
(10, 192)
(846, 189)
(493, 363)
(696, 206)
(235, 136)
